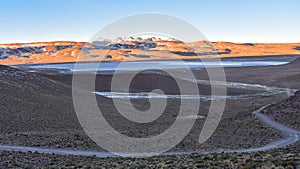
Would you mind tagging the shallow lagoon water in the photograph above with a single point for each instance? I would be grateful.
(150, 65)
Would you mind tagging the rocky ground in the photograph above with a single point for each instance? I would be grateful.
(286, 112)
(278, 159)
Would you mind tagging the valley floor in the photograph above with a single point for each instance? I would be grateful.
(52, 123)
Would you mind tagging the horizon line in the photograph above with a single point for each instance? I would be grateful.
(237, 42)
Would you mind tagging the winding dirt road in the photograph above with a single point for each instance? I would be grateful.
(290, 136)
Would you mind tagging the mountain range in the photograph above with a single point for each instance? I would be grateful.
(134, 49)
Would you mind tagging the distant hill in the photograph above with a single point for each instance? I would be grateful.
(134, 49)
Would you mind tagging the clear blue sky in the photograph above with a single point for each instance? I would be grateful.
(78, 20)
